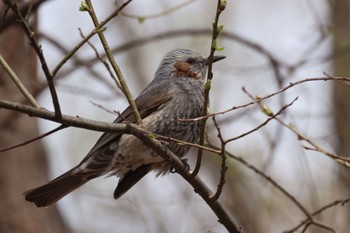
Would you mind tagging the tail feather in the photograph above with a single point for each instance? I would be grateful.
(130, 179)
(56, 189)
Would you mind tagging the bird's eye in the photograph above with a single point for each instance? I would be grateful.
(190, 60)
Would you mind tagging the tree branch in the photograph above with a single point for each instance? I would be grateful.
(148, 139)
(221, 4)
(18, 83)
(113, 62)
(39, 52)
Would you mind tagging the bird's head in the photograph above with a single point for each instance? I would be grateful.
(184, 63)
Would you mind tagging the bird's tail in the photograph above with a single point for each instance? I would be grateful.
(53, 191)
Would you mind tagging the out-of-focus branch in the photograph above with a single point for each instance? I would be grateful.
(97, 28)
(142, 18)
(301, 137)
(318, 224)
(18, 83)
(9, 19)
(317, 212)
(99, 57)
(31, 36)
(113, 62)
(77, 62)
(186, 32)
(73, 51)
(270, 180)
(33, 139)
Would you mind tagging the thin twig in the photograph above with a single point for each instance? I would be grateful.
(340, 159)
(223, 162)
(301, 137)
(77, 62)
(102, 107)
(213, 47)
(92, 33)
(181, 33)
(142, 18)
(72, 52)
(18, 83)
(33, 139)
(39, 52)
(99, 57)
(113, 62)
(258, 99)
(318, 224)
(264, 123)
(334, 203)
(270, 180)
(8, 20)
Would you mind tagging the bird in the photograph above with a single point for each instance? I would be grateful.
(175, 93)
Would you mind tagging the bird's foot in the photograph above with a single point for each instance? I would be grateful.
(185, 163)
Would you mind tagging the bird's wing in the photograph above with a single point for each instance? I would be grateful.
(147, 102)
(97, 160)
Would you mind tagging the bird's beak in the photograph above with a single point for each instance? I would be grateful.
(215, 59)
(218, 58)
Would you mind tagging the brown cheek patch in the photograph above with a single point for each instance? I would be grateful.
(183, 69)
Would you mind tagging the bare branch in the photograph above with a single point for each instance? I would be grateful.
(8, 20)
(333, 204)
(272, 116)
(98, 56)
(113, 62)
(39, 52)
(142, 18)
(92, 33)
(18, 83)
(223, 162)
(273, 182)
(33, 139)
(77, 62)
(216, 31)
(301, 137)
(258, 99)
(318, 224)
(65, 119)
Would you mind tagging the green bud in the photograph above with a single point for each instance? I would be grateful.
(216, 47)
(223, 4)
(266, 110)
(83, 6)
(141, 19)
(219, 28)
(102, 29)
(207, 85)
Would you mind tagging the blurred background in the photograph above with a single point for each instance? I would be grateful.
(268, 44)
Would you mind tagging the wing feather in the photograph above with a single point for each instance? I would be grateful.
(150, 100)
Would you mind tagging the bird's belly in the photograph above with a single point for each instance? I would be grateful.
(131, 154)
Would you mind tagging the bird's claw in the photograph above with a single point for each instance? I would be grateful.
(184, 161)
